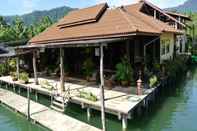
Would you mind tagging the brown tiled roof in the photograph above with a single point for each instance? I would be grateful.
(83, 16)
(124, 21)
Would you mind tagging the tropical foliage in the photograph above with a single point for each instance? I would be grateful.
(124, 71)
(18, 33)
(24, 77)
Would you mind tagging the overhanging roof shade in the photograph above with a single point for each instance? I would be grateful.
(162, 11)
(178, 15)
(101, 23)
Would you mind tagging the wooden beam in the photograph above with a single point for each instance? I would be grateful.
(62, 69)
(102, 89)
(17, 67)
(35, 68)
(155, 14)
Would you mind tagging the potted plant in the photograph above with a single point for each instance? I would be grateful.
(124, 72)
(14, 76)
(88, 68)
(24, 78)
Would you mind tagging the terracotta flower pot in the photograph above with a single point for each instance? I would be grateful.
(109, 84)
(14, 78)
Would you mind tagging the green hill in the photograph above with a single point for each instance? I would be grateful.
(35, 16)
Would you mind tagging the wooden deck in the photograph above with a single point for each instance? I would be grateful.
(117, 103)
(43, 115)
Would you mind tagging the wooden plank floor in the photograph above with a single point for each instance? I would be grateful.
(116, 102)
(45, 116)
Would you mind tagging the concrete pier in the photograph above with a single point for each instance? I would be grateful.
(43, 115)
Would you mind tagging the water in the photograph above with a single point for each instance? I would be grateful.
(10, 121)
(174, 110)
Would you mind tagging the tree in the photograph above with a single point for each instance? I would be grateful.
(43, 24)
(2, 22)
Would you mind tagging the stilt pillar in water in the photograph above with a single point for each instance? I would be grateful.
(36, 95)
(19, 90)
(88, 113)
(14, 89)
(124, 123)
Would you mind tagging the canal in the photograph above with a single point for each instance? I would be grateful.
(11, 121)
(174, 110)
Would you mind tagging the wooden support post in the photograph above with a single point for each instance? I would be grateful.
(62, 69)
(102, 89)
(34, 67)
(155, 14)
(17, 68)
(124, 122)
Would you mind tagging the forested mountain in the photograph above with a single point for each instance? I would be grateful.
(31, 18)
(188, 6)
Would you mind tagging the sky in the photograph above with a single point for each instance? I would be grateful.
(18, 7)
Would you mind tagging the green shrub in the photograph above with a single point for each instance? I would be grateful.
(24, 77)
(88, 96)
(175, 67)
(124, 71)
(14, 76)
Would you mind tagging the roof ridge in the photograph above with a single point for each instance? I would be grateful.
(122, 11)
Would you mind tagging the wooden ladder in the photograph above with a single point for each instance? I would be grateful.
(58, 102)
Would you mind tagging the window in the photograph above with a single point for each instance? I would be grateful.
(165, 46)
(181, 46)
